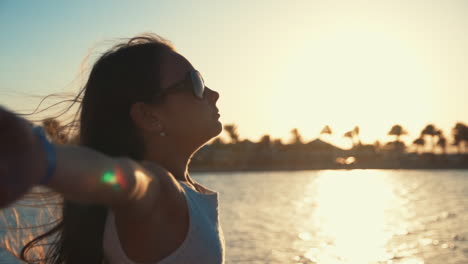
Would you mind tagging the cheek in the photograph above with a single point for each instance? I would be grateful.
(189, 117)
(187, 120)
(180, 113)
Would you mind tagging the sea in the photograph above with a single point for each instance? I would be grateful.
(327, 216)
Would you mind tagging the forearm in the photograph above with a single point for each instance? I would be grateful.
(81, 174)
(85, 175)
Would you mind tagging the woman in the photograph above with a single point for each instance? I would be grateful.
(128, 196)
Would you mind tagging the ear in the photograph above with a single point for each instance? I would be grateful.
(145, 117)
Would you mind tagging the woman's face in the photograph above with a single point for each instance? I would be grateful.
(185, 117)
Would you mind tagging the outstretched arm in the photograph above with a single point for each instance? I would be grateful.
(81, 174)
(85, 175)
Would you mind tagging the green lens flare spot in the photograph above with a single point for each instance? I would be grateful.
(108, 177)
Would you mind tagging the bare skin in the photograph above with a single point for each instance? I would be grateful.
(151, 213)
(158, 234)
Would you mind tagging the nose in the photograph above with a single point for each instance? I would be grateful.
(212, 95)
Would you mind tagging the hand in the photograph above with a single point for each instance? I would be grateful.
(22, 157)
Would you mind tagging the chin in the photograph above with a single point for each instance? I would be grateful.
(220, 128)
(215, 130)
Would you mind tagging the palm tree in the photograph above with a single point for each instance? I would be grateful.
(397, 131)
(442, 143)
(419, 142)
(265, 140)
(457, 141)
(326, 130)
(349, 135)
(297, 138)
(430, 130)
(356, 134)
(377, 145)
(277, 144)
(353, 135)
(231, 129)
(460, 136)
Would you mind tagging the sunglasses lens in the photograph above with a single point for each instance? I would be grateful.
(198, 84)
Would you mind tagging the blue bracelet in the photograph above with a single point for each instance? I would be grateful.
(50, 154)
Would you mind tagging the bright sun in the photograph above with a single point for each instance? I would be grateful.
(352, 78)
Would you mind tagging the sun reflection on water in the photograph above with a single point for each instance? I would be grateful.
(351, 214)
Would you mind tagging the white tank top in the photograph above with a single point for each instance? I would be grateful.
(204, 242)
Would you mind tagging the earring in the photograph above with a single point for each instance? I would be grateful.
(162, 133)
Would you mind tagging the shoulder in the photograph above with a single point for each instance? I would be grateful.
(162, 194)
(172, 192)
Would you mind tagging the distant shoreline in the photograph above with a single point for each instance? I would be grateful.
(312, 168)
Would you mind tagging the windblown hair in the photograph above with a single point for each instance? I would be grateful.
(127, 73)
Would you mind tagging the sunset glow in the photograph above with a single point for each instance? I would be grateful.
(277, 65)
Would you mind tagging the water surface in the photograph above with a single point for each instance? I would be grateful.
(333, 217)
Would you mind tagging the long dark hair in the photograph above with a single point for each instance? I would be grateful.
(125, 74)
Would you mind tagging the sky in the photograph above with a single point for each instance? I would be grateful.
(277, 65)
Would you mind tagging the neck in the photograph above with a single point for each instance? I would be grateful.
(172, 159)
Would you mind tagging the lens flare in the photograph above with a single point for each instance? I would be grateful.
(115, 179)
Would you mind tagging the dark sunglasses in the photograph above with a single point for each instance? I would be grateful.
(193, 80)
